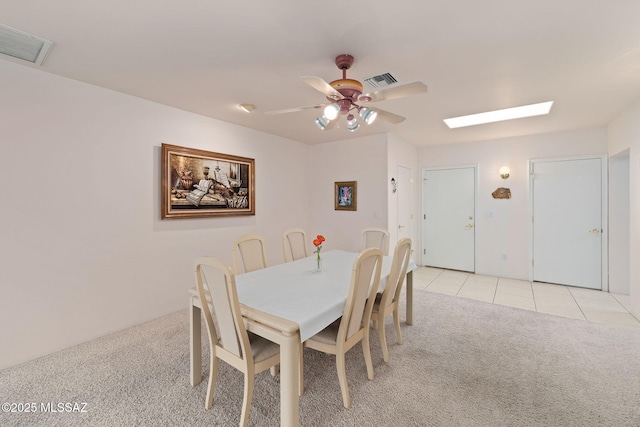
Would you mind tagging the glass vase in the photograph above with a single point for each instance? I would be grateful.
(318, 262)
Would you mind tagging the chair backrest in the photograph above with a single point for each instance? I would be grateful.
(294, 244)
(217, 284)
(249, 252)
(365, 278)
(375, 238)
(401, 256)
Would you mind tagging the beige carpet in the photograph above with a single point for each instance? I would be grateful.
(463, 363)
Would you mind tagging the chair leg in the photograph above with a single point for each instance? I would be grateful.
(383, 340)
(342, 378)
(249, 379)
(213, 375)
(396, 320)
(366, 349)
(195, 342)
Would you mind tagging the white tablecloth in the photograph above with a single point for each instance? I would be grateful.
(295, 291)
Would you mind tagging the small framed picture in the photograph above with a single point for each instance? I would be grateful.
(346, 196)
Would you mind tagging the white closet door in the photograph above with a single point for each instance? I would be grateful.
(567, 222)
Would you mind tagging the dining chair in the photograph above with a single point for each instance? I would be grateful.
(354, 325)
(248, 251)
(245, 351)
(375, 237)
(388, 301)
(294, 244)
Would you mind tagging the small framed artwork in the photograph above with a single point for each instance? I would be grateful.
(198, 183)
(346, 196)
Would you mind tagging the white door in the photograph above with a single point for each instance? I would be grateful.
(567, 201)
(449, 218)
(405, 190)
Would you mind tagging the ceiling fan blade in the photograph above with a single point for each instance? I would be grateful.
(321, 86)
(387, 116)
(397, 92)
(294, 109)
(332, 124)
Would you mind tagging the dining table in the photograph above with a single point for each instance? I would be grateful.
(299, 300)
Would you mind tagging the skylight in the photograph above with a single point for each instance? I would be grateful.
(500, 115)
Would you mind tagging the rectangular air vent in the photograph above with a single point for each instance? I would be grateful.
(21, 45)
(382, 80)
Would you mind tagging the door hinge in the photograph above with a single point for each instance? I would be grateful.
(531, 263)
(424, 252)
(425, 216)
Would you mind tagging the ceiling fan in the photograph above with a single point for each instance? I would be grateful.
(344, 97)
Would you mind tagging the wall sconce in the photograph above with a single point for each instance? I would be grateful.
(504, 172)
(394, 185)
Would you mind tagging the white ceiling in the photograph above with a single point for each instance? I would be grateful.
(207, 56)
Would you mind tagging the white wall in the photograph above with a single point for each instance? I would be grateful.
(624, 134)
(83, 251)
(507, 232)
(363, 160)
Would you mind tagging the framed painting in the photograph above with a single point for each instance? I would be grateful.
(198, 183)
(346, 196)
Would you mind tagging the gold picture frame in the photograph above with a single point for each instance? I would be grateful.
(346, 196)
(198, 183)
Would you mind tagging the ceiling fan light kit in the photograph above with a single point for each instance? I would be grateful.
(345, 95)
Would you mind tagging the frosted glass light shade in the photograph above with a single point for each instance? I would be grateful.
(352, 125)
(331, 111)
(322, 122)
(369, 116)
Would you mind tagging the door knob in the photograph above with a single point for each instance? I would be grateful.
(468, 226)
(594, 230)
(400, 227)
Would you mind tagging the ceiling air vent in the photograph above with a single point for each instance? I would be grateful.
(382, 80)
(21, 45)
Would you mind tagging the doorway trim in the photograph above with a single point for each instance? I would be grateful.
(396, 231)
(619, 217)
(603, 207)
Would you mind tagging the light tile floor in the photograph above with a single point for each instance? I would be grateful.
(566, 301)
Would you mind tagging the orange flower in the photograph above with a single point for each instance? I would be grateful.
(317, 242)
